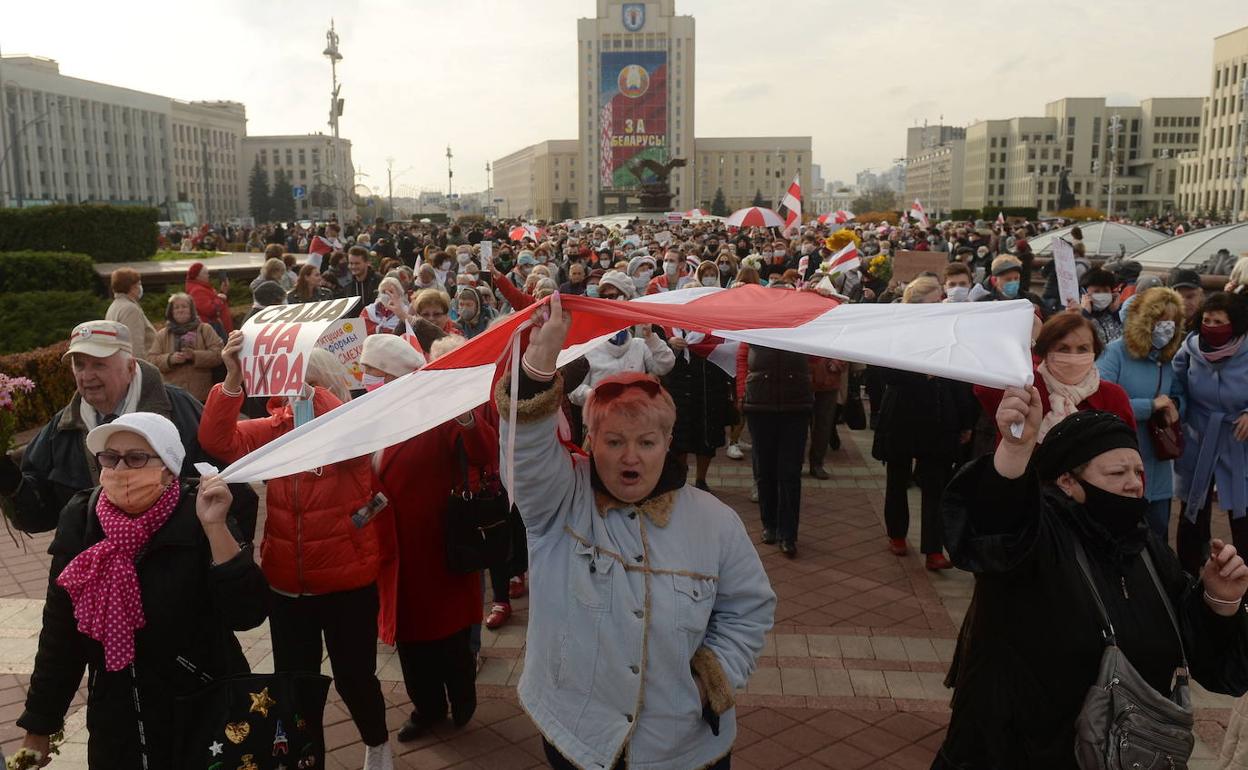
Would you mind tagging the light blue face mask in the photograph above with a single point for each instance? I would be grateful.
(1163, 332)
(591, 290)
(1010, 289)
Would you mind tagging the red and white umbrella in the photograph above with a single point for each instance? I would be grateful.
(838, 217)
(520, 232)
(695, 213)
(754, 216)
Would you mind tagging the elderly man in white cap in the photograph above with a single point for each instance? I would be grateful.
(110, 381)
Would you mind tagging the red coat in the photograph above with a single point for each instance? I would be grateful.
(420, 599)
(210, 307)
(310, 544)
(1109, 397)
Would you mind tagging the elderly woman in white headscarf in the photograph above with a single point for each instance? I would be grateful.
(648, 590)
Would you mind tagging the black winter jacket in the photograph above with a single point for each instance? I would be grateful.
(1031, 642)
(921, 416)
(191, 609)
(778, 381)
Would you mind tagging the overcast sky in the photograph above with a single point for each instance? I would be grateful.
(491, 76)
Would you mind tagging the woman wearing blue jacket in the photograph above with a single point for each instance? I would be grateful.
(1140, 362)
(1212, 368)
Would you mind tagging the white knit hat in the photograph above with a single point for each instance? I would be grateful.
(391, 354)
(620, 281)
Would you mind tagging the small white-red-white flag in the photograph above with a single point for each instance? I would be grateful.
(791, 206)
(838, 217)
(1001, 217)
(918, 214)
(844, 260)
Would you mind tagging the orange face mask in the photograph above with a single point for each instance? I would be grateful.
(133, 490)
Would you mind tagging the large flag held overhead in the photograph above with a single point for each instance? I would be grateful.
(791, 206)
(918, 214)
(987, 343)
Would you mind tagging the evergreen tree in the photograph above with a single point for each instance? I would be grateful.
(258, 194)
(719, 206)
(283, 197)
(758, 198)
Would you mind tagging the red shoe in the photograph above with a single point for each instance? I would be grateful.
(499, 614)
(897, 545)
(938, 561)
(518, 588)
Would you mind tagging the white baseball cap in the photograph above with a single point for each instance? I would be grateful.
(155, 429)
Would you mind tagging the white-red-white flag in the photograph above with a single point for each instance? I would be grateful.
(791, 206)
(1001, 217)
(844, 260)
(940, 339)
(918, 214)
(838, 217)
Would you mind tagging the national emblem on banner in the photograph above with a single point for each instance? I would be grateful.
(634, 16)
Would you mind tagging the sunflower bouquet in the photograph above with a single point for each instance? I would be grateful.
(839, 239)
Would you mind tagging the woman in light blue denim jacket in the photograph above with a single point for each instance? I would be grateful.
(648, 601)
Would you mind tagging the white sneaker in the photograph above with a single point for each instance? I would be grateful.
(734, 452)
(379, 757)
(745, 445)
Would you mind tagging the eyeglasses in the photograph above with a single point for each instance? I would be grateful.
(133, 459)
(610, 390)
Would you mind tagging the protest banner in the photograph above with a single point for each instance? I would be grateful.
(908, 264)
(278, 339)
(487, 251)
(1067, 274)
(345, 339)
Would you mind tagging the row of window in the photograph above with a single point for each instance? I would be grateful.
(303, 158)
(1176, 121)
(1172, 137)
(1226, 105)
(194, 134)
(1224, 76)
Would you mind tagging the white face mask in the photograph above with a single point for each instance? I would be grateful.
(1163, 332)
(671, 268)
(710, 281)
(1101, 300)
(464, 258)
(644, 275)
(958, 293)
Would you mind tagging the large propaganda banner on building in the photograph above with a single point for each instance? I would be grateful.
(633, 105)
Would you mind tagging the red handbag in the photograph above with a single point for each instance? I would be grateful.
(1167, 438)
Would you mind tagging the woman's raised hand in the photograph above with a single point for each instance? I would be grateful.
(551, 325)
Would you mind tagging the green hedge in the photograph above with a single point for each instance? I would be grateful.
(46, 271)
(107, 233)
(36, 318)
(54, 383)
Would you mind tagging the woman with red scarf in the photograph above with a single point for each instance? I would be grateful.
(147, 587)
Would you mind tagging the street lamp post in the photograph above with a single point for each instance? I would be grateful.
(1241, 149)
(450, 177)
(335, 107)
(489, 190)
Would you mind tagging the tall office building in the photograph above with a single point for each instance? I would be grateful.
(635, 64)
(316, 162)
(1211, 175)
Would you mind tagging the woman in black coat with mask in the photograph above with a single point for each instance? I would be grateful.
(1033, 638)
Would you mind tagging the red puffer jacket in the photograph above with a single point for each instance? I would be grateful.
(310, 545)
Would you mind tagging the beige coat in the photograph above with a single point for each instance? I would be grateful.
(126, 311)
(195, 377)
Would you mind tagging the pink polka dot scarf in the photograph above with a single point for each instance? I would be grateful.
(102, 582)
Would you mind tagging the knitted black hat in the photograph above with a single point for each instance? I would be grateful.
(1080, 437)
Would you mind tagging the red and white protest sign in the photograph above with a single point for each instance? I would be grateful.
(278, 340)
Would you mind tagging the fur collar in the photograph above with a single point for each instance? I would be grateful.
(657, 506)
(1144, 313)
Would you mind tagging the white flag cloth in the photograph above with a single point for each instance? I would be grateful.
(987, 343)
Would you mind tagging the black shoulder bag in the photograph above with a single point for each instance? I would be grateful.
(478, 534)
(1124, 723)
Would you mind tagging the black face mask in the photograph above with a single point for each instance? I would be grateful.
(1120, 516)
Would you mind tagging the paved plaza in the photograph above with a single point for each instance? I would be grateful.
(850, 676)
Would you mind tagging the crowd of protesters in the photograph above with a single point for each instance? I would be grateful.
(1141, 355)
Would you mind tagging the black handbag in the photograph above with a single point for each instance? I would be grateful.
(478, 531)
(1124, 723)
(252, 722)
(854, 412)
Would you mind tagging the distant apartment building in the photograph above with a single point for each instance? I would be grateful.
(1212, 173)
(317, 163)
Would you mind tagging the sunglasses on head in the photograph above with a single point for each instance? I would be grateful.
(132, 459)
(609, 390)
